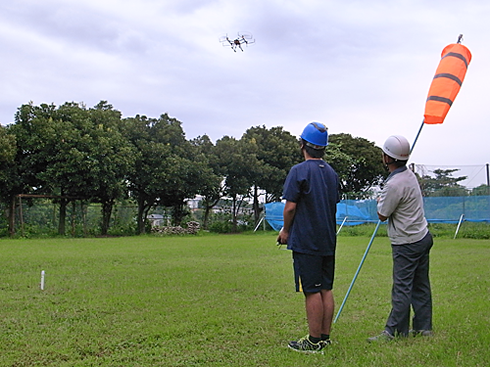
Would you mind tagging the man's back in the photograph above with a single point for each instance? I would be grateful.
(313, 186)
(401, 200)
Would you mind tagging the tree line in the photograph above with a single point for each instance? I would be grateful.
(442, 183)
(94, 155)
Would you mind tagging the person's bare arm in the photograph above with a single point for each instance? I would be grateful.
(288, 214)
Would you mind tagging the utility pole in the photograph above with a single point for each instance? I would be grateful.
(488, 180)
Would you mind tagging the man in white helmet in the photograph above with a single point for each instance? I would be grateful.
(311, 192)
(402, 204)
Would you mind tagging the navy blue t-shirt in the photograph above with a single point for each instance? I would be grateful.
(314, 186)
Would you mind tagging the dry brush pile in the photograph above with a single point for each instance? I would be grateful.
(192, 228)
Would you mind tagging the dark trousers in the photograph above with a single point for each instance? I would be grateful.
(411, 287)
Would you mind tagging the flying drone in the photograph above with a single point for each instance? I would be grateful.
(242, 39)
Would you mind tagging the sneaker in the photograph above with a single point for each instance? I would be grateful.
(421, 333)
(383, 337)
(306, 346)
(326, 342)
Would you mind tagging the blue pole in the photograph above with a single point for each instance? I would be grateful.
(357, 272)
(417, 136)
(371, 241)
(341, 225)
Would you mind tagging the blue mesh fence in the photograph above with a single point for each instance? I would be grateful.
(357, 212)
(273, 215)
(437, 210)
(450, 209)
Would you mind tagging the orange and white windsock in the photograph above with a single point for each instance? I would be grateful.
(447, 81)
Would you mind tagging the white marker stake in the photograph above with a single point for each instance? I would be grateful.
(42, 280)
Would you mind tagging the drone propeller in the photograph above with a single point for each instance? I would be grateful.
(246, 37)
(243, 38)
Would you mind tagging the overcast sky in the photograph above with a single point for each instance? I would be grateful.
(360, 67)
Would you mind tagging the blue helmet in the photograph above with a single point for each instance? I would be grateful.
(316, 135)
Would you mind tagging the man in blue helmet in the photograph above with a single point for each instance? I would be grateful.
(311, 192)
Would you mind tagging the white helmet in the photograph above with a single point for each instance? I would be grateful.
(397, 147)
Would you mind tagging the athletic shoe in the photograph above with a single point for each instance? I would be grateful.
(383, 337)
(326, 342)
(421, 332)
(306, 346)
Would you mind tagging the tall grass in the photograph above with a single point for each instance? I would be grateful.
(223, 300)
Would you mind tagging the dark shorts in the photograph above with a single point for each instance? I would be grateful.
(313, 273)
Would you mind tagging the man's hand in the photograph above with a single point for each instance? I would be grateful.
(288, 214)
(282, 238)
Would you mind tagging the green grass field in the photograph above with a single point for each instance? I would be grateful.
(223, 300)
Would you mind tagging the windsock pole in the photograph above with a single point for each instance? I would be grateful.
(417, 136)
(357, 272)
(367, 249)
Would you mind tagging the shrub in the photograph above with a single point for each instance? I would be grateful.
(223, 226)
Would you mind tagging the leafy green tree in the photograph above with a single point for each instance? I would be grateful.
(65, 174)
(7, 148)
(211, 187)
(112, 158)
(278, 151)
(358, 163)
(168, 169)
(35, 131)
(238, 164)
(186, 176)
(10, 183)
(443, 183)
(482, 190)
(38, 133)
(71, 152)
(149, 173)
(179, 182)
